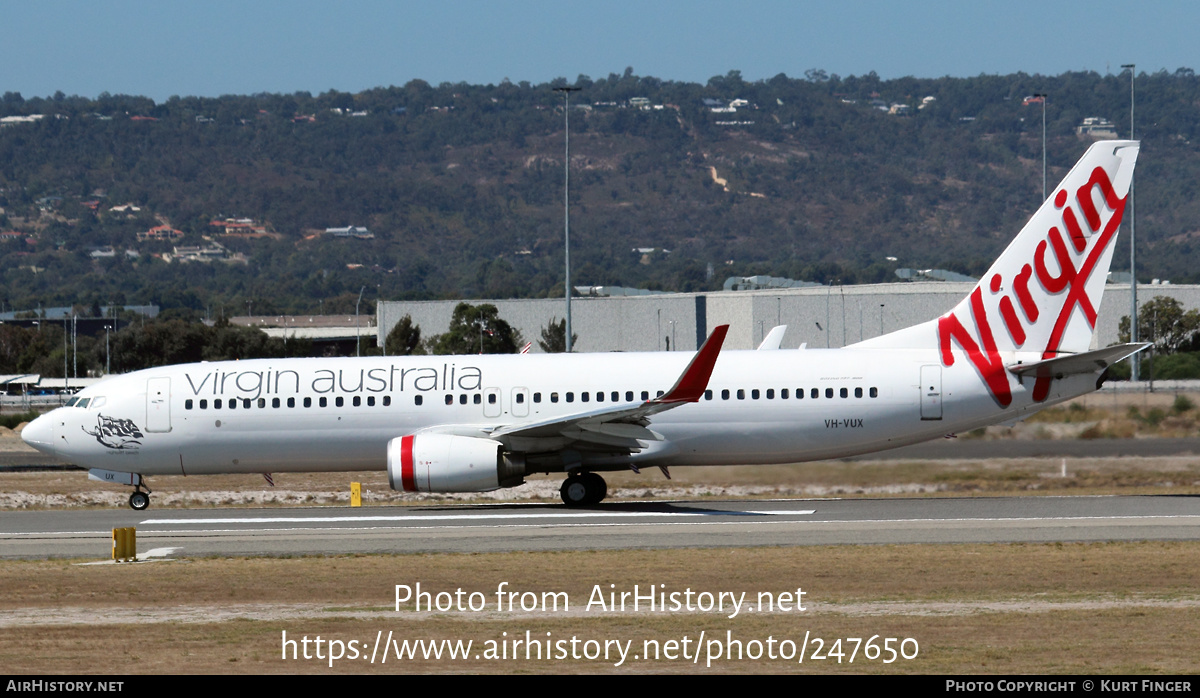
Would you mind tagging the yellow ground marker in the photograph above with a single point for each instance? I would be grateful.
(124, 544)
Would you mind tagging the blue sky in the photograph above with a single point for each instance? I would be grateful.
(181, 47)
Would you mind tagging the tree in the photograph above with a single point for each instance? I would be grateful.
(554, 337)
(477, 329)
(1162, 320)
(404, 339)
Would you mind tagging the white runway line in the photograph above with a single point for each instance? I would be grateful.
(455, 517)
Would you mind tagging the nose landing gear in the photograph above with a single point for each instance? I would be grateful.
(139, 500)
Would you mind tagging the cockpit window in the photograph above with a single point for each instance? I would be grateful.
(83, 402)
(72, 401)
(98, 402)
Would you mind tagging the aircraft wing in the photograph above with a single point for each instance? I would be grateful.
(1087, 362)
(620, 427)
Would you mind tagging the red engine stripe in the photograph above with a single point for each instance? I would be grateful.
(407, 478)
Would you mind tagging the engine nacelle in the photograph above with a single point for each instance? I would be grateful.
(449, 463)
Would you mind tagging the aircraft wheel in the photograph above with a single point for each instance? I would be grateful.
(583, 490)
(139, 501)
(597, 487)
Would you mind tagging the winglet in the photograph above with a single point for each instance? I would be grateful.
(774, 338)
(691, 385)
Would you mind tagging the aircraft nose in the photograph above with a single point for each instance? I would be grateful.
(40, 434)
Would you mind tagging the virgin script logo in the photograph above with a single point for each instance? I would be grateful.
(1069, 287)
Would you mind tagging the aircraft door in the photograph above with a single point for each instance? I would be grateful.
(491, 402)
(931, 392)
(520, 402)
(158, 404)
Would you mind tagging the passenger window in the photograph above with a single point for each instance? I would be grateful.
(233, 403)
(291, 402)
(829, 392)
(770, 393)
(553, 397)
(615, 397)
(491, 398)
(599, 397)
(814, 393)
(323, 402)
(262, 402)
(707, 394)
(844, 392)
(246, 403)
(339, 401)
(416, 400)
(370, 401)
(570, 397)
(449, 399)
(477, 399)
(754, 393)
(660, 393)
(585, 396)
(204, 404)
(725, 394)
(537, 397)
(462, 399)
(217, 404)
(645, 395)
(387, 400)
(783, 393)
(520, 398)
(275, 402)
(874, 392)
(307, 402)
(858, 392)
(187, 404)
(741, 393)
(628, 396)
(357, 401)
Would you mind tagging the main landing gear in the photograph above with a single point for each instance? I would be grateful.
(583, 489)
(139, 500)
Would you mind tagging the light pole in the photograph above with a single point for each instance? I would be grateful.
(107, 352)
(1043, 96)
(566, 91)
(357, 334)
(1133, 318)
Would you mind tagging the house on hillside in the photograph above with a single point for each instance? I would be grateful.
(160, 232)
(1097, 127)
(351, 231)
(243, 227)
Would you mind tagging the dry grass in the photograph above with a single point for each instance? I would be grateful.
(1063, 608)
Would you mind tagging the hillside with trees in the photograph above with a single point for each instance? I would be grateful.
(674, 186)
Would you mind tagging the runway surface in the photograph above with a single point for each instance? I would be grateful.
(508, 527)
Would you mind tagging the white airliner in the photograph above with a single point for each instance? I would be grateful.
(1021, 341)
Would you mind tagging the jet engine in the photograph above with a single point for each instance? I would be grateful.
(449, 463)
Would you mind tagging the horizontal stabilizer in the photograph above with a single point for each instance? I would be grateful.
(1087, 362)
